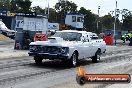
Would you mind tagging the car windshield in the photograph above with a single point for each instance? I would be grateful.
(68, 36)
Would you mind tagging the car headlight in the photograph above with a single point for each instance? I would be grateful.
(33, 48)
(64, 50)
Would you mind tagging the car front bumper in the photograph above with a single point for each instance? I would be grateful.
(50, 56)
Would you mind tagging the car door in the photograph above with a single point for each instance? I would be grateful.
(94, 46)
(86, 47)
(81, 47)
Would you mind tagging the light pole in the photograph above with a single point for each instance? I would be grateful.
(114, 36)
(48, 9)
(98, 18)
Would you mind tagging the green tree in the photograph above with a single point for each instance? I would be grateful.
(24, 5)
(38, 10)
(5, 4)
(1, 4)
(127, 23)
(13, 6)
(52, 15)
(107, 21)
(90, 19)
(127, 20)
(63, 7)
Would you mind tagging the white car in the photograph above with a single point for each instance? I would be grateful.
(68, 45)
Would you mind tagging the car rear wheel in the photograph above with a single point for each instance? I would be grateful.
(38, 60)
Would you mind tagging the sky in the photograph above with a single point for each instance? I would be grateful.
(105, 5)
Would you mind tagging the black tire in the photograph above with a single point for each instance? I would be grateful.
(96, 58)
(74, 60)
(38, 60)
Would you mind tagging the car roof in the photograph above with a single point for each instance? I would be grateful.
(73, 31)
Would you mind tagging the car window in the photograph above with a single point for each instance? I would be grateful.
(68, 36)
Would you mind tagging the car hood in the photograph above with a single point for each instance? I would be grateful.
(55, 41)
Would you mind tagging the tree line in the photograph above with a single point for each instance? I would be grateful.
(63, 7)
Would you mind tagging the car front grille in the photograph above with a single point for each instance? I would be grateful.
(48, 49)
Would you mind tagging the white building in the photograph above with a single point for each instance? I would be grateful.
(75, 20)
(32, 24)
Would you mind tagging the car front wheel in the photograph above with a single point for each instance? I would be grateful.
(38, 60)
(74, 59)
